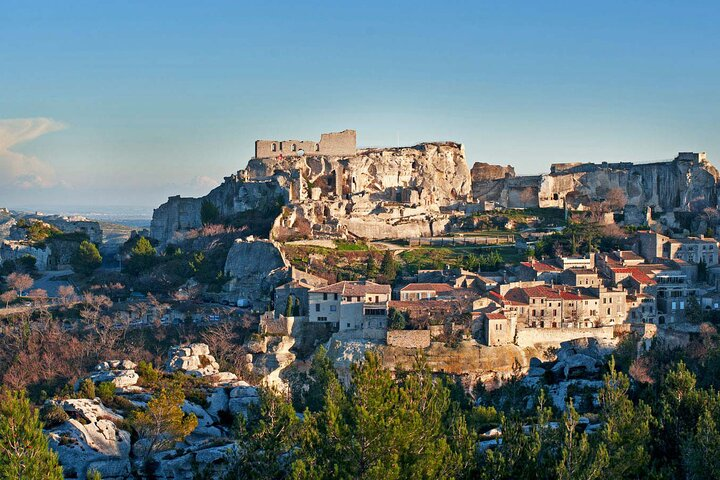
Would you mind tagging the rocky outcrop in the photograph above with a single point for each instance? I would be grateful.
(120, 372)
(255, 267)
(253, 205)
(193, 359)
(90, 440)
(686, 183)
(481, 172)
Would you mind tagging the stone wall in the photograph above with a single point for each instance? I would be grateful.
(331, 144)
(408, 338)
(527, 337)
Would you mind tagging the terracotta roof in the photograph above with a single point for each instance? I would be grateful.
(424, 287)
(540, 266)
(542, 291)
(495, 316)
(640, 276)
(354, 289)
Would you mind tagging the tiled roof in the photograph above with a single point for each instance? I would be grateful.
(540, 266)
(354, 289)
(640, 276)
(424, 287)
(495, 316)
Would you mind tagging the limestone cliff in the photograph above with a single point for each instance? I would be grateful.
(255, 267)
(687, 182)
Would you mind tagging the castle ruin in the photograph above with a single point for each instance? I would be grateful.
(339, 144)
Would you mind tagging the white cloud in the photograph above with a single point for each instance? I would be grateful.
(20, 170)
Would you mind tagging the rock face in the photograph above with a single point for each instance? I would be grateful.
(240, 202)
(687, 182)
(255, 268)
(90, 440)
(121, 373)
(193, 359)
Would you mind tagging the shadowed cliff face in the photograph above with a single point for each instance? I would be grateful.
(676, 185)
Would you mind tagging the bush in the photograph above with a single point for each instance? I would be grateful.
(87, 389)
(106, 391)
(148, 374)
(52, 415)
(87, 259)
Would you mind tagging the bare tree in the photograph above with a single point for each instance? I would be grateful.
(615, 199)
(19, 282)
(67, 295)
(8, 297)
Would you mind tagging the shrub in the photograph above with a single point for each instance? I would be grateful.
(87, 389)
(148, 374)
(52, 415)
(106, 391)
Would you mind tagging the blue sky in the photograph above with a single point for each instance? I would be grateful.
(125, 103)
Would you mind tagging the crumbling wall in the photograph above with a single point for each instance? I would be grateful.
(408, 338)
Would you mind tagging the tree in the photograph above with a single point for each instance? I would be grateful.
(142, 256)
(385, 428)
(693, 312)
(67, 296)
(615, 199)
(578, 459)
(371, 266)
(24, 451)
(209, 213)
(265, 439)
(163, 422)
(388, 266)
(290, 306)
(701, 452)
(87, 259)
(397, 320)
(8, 297)
(626, 428)
(19, 282)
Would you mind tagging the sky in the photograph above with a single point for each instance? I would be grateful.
(126, 103)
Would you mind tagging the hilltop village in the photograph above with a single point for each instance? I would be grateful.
(501, 284)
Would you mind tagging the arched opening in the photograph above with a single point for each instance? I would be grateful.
(274, 147)
(317, 147)
(294, 147)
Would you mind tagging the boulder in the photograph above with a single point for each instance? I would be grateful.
(241, 398)
(90, 439)
(218, 401)
(198, 461)
(193, 359)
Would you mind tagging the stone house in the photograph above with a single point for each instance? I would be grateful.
(350, 305)
(427, 291)
(579, 277)
(693, 250)
(298, 287)
(672, 290)
(535, 270)
(498, 329)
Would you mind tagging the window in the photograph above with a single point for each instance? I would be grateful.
(274, 147)
(294, 147)
(333, 308)
(317, 307)
(324, 296)
(322, 319)
(317, 147)
(335, 296)
(348, 325)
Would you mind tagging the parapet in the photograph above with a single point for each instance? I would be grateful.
(337, 144)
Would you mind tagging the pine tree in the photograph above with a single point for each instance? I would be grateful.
(142, 256)
(578, 459)
(289, 306)
(24, 451)
(265, 439)
(87, 259)
(626, 428)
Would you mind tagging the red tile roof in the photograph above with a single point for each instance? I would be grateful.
(495, 316)
(640, 276)
(425, 287)
(540, 266)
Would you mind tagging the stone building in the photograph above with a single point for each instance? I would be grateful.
(350, 305)
(427, 291)
(338, 144)
(693, 250)
(498, 329)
